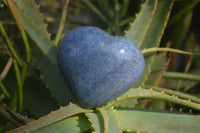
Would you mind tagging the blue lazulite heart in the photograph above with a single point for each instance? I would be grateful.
(98, 67)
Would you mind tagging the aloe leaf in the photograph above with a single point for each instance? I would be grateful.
(104, 115)
(176, 93)
(113, 122)
(83, 123)
(52, 119)
(96, 122)
(52, 78)
(44, 50)
(162, 122)
(105, 121)
(158, 24)
(33, 22)
(34, 93)
(182, 76)
(157, 69)
(140, 26)
(126, 103)
(151, 50)
(137, 93)
(65, 125)
(151, 35)
(73, 124)
(34, 13)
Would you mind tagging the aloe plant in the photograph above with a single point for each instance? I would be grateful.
(32, 81)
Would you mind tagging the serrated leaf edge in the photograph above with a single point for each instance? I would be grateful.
(132, 24)
(145, 78)
(116, 118)
(88, 118)
(160, 95)
(44, 51)
(104, 115)
(45, 32)
(53, 117)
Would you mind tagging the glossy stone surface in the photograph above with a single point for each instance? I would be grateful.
(98, 67)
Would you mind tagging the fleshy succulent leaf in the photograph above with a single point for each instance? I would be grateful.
(44, 50)
(126, 103)
(46, 102)
(52, 78)
(150, 93)
(83, 123)
(149, 121)
(65, 125)
(105, 121)
(96, 122)
(53, 118)
(173, 92)
(29, 15)
(151, 35)
(104, 115)
(142, 22)
(159, 64)
(113, 122)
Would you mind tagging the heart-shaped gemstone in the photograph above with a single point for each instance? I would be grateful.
(98, 67)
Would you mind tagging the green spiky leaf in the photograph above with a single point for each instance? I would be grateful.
(52, 78)
(126, 103)
(162, 122)
(113, 122)
(152, 26)
(138, 29)
(157, 69)
(137, 93)
(96, 122)
(44, 50)
(104, 115)
(65, 125)
(83, 123)
(46, 102)
(53, 119)
(104, 121)
(74, 124)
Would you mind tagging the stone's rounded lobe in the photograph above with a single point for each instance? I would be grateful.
(98, 67)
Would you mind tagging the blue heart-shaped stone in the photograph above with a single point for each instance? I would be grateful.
(98, 67)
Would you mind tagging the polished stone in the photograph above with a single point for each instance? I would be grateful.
(98, 67)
